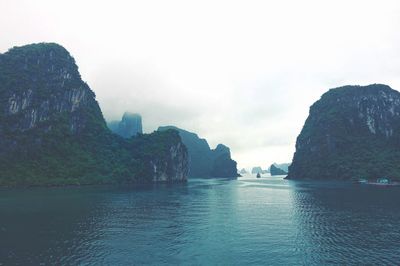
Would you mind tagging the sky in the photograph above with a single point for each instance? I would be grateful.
(241, 73)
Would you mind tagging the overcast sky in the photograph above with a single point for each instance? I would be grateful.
(242, 73)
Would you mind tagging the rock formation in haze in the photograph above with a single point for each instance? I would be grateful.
(283, 166)
(243, 171)
(205, 162)
(129, 126)
(351, 132)
(257, 170)
(52, 131)
(276, 171)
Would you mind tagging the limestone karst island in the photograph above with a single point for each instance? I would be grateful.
(199, 132)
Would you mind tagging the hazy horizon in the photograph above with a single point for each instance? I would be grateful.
(239, 73)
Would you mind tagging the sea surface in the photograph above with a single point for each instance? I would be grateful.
(249, 221)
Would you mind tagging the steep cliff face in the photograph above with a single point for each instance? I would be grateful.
(223, 165)
(52, 131)
(174, 167)
(203, 161)
(161, 156)
(351, 132)
(40, 82)
(129, 126)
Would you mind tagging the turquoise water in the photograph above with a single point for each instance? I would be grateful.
(267, 221)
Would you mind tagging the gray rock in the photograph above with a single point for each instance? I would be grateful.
(129, 126)
(351, 132)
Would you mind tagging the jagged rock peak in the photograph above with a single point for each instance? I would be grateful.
(41, 81)
(221, 148)
(130, 125)
(50, 57)
(52, 131)
(274, 170)
(205, 162)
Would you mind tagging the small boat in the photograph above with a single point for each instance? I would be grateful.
(382, 181)
(258, 175)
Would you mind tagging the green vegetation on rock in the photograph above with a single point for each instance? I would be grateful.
(52, 131)
(351, 132)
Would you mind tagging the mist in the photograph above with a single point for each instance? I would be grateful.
(242, 73)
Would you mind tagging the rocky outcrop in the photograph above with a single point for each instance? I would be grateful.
(129, 126)
(52, 131)
(205, 162)
(283, 166)
(257, 170)
(276, 171)
(40, 82)
(170, 164)
(223, 165)
(174, 168)
(351, 132)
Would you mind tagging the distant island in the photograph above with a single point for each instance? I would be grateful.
(52, 131)
(283, 166)
(243, 171)
(351, 132)
(204, 161)
(129, 126)
(274, 170)
(257, 170)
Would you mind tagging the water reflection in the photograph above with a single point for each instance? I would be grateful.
(346, 224)
(37, 226)
(224, 222)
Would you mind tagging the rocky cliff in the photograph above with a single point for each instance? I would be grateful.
(40, 82)
(52, 131)
(205, 162)
(129, 126)
(351, 132)
(160, 156)
(223, 165)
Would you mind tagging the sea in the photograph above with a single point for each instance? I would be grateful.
(244, 221)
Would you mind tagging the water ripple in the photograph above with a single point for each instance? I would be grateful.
(205, 222)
